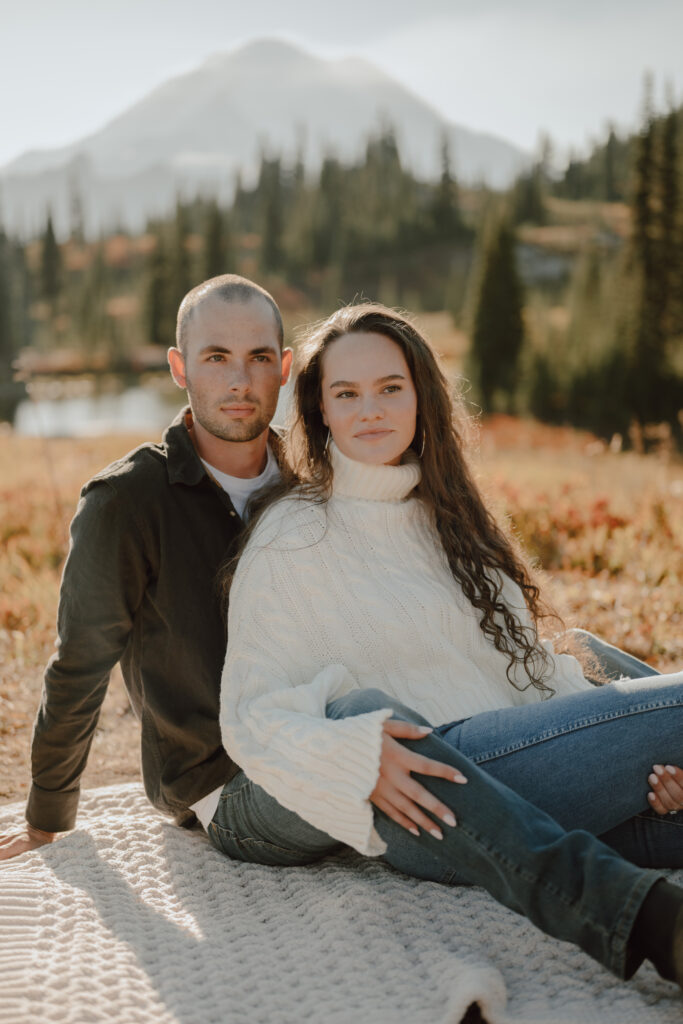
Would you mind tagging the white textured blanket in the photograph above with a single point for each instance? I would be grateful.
(134, 921)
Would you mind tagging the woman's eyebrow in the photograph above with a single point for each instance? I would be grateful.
(354, 383)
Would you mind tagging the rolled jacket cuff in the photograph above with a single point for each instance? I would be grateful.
(52, 810)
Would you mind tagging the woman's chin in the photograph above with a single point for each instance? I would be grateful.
(373, 454)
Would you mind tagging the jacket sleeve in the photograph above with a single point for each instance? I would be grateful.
(103, 583)
(273, 710)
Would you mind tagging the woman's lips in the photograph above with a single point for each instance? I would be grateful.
(372, 435)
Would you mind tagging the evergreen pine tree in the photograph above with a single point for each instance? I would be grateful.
(497, 332)
(647, 356)
(77, 226)
(328, 205)
(217, 259)
(610, 187)
(179, 262)
(50, 265)
(7, 346)
(527, 203)
(271, 191)
(91, 315)
(669, 217)
(445, 208)
(159, 307)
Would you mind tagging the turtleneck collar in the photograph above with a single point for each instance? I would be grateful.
(374, 483)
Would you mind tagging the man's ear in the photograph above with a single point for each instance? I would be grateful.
(287, 356)
(176, 363)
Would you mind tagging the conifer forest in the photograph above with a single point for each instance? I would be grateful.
(567, 289)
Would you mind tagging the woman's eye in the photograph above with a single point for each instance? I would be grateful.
(391, 388)
(345, 394)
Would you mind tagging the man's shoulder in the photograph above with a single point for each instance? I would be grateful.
(139, 472)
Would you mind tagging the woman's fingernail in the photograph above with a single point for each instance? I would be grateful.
(671, 770)
(450, 820)
(414, 831)
(651, 797)
(436, 833)
(658, 768)
(424, 729)
(653, 780)
(459, 778)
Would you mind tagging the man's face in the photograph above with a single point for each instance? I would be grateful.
(232, 368)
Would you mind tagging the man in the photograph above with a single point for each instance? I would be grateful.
(149, 537)
(147, 542)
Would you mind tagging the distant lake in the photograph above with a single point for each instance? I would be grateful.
(59, 410)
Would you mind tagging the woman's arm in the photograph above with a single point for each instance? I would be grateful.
(274, 692)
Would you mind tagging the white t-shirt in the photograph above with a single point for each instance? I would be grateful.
(239, 490)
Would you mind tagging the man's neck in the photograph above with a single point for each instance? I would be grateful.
(244, 459)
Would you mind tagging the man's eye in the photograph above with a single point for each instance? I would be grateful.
(216, 357)
(262, 358)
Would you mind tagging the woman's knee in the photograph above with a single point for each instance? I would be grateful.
(361, 702)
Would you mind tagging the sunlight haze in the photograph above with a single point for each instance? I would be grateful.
(512, 70)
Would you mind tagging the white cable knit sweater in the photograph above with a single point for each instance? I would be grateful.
(345, 595)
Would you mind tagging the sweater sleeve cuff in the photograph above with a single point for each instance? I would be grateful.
(52, 811)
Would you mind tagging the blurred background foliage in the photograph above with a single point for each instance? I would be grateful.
(564, 295)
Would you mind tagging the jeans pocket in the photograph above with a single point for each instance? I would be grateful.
(255, 850)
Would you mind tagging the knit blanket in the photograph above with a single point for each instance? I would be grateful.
(131, 920)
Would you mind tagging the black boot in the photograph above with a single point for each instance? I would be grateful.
(658, 930)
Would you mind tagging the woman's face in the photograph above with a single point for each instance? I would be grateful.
(368, 398)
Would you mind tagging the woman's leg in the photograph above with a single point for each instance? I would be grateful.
(585, 759)
(250, 825)
(569, 884)
(615, 663)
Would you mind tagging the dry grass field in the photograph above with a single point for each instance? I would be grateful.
(605, 528)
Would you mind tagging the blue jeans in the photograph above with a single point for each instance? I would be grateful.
(569, 883)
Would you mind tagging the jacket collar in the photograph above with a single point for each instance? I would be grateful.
(183, 464)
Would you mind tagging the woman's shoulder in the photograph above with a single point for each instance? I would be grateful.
(290, 521)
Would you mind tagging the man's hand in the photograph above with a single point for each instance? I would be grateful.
(29, 838)
(398, 794)
(667, 788)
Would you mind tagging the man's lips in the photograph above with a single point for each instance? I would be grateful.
(238, 410)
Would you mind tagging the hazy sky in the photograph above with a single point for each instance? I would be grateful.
(512, 67)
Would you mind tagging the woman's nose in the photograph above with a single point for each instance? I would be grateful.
(371, 409)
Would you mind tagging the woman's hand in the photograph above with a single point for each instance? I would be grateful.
(398, 794)
(667, 788)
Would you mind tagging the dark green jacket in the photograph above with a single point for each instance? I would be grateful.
(150, 534)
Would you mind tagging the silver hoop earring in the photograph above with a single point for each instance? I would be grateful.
(327, 442)
(422, 447)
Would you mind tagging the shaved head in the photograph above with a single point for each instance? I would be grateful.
(228, 288)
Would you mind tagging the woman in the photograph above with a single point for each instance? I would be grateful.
(377, 600)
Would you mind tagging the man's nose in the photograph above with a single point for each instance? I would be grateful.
(239, 379)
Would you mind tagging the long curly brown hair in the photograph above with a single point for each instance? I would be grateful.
(477, 549)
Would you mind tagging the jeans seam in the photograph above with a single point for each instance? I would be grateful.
(231, 834)
(226, 797)
(575, 726)
(617, 938)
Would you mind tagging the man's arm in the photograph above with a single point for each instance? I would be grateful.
(104, 580)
